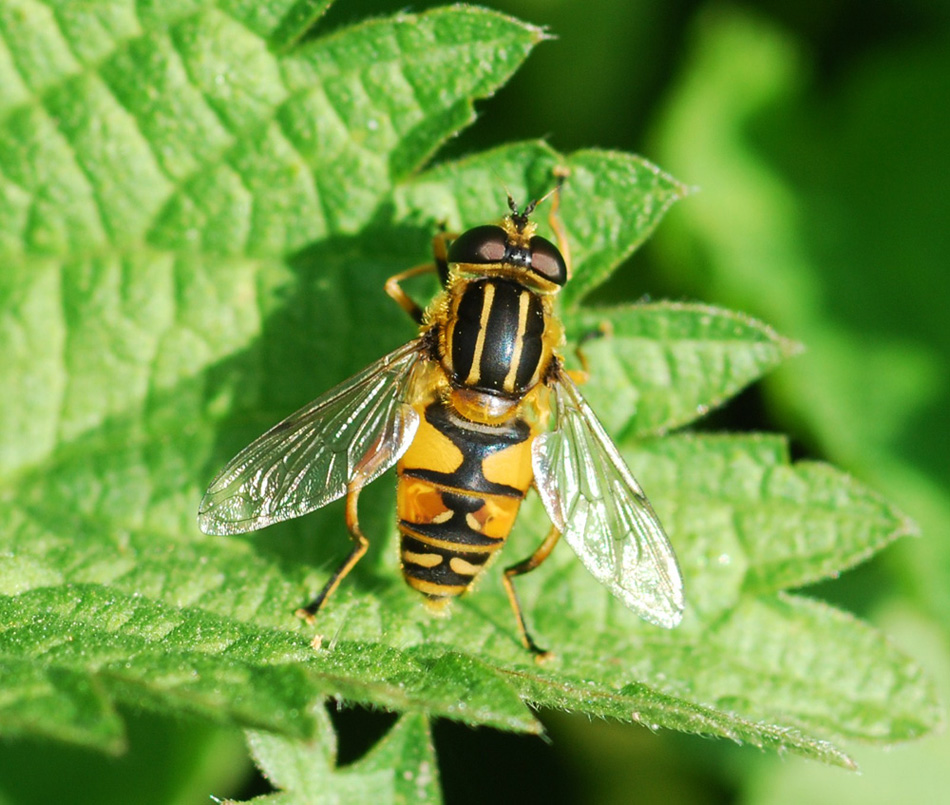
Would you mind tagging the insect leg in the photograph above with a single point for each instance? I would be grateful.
(440, 253)
(582, 375)
(310, 611)
(544, 549)
(406, 302)
(378, 455)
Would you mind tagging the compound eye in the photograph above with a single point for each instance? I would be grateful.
(483, 244)
(546, 260)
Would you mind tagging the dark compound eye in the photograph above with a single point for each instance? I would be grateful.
(483, 244)
(546, 260)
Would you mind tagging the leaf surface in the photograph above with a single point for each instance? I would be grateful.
(195, 225)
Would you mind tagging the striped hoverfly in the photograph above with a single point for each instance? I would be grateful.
(474, 411)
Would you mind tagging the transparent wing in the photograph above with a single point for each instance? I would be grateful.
(603, 514)
(309, 459)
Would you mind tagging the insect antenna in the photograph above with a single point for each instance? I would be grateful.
(521, 218)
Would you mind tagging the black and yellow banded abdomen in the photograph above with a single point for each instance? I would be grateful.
(461, 484)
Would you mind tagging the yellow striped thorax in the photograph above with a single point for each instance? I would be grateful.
(495, 321)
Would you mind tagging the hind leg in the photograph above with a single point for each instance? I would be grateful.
(526, 566)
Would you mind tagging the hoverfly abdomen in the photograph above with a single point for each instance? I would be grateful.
(469, 453)
(455, 512)
(494, 337)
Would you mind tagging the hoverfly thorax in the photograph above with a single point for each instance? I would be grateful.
(499, 331)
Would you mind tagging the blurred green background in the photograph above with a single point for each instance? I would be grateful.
(817, 135)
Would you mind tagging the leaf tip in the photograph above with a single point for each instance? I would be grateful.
(681, 190)
(906, 526)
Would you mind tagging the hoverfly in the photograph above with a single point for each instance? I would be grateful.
(476, 410)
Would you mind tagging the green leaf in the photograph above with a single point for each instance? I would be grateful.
(909, 773)
(780, 526)
(407, 748)
(297, 22)
(626, 198)
(721, 499)
(193, 141)
(195, 231)
(400, 769)
(82, 639)
(665, 364)
(107, 316)
(56, 702)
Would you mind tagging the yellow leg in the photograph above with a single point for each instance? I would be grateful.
(529, 564)
(406, 302)
(440, 251)
(582, 375)
(364, 471)
(360, 545)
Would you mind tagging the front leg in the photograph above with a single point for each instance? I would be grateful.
(406, 302)
(440, 266)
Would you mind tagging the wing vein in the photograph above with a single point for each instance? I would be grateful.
(602, 512)
(310, 458)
